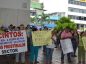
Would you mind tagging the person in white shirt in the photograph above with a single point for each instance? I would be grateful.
(50, 49)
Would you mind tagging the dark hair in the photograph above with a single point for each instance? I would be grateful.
(6, 30)
(11, 24)
(46, 28)
(18, 28)
(21, 24)
(13, 27)
(34, 28)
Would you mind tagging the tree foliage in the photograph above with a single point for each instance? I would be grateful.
(65, 22)
(32, 20)
(44, 16)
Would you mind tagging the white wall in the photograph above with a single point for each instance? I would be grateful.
(15, 4)
(12, 12)
(77, 14)
(79, 21)
(14, 16)
(77, 6)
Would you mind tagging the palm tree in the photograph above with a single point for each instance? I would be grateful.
(32, 20)
(65, 22)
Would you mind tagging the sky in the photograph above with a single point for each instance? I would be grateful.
(54, 5)
(50, 5)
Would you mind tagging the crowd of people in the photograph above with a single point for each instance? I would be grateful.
(73, 35)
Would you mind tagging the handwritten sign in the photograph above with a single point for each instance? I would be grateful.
(66, 46)
(41, 38)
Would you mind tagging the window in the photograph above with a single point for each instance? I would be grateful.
(80, 18)
(82, 25)
(70, 16)
(84, 18)
(77, 17)
(78, 26)
(77, 2)
(24, 5)
(77, 10)
(71, 2)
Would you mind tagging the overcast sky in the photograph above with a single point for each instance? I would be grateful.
(50, 5)
(53, 5)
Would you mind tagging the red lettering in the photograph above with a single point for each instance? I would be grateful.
(0, 35)
(7, 46)
(19, 34)
(10, 34)
(15, 34)
(3, 35)
(6, 35)
(1, 47)
(14, 45)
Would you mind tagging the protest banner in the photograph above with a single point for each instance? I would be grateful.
(84, 42)
(41, 38)
(13, 42)
(66, 45)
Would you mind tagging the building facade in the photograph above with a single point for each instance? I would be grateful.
(35, 0)
(36, 7)
(74, 9)
(14, 12)
(77, 12)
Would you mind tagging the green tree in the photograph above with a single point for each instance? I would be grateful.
(65, 22)
(32, 20)
(44, 18)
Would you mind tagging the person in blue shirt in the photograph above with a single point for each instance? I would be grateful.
(33, 50)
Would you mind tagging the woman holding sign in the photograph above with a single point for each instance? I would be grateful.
(33, 51)
(66, 45)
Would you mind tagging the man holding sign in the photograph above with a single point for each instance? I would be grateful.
(22, 28)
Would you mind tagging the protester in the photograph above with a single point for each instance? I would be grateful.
(34, 51)
(29, 37)
(81, 49)
(2, 29)
(57, 42)
(50, 48)
(22, 54)
(10, 27)
(44, 47)
(66, 34)
(75, 41)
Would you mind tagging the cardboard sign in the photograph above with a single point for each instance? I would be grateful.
(41, 38)
(13, 42)
(66, 45)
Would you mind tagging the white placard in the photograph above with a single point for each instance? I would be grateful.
(13, 42)
(66, 45)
